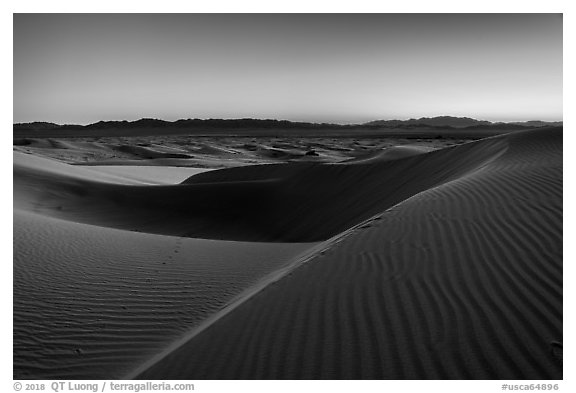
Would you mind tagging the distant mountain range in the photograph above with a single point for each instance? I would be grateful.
(183, 123)
(439, 122)
(456, 122)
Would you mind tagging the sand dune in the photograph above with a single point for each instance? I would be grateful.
(390, 154)
(215, 152)
(406, 264)
(459, 278)
(157, 174)
(149, 152)
(291, 202)
(26, 165)
(91, 302)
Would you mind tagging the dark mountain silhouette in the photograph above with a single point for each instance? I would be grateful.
(36, 125)
(183, 123)
(148, 126)
(439, 121)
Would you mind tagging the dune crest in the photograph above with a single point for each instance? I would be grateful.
(90, 302)
(460, 281)
(392, 153)
(406, 264)
(290, 202)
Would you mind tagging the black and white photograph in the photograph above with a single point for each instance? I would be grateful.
(288, 196)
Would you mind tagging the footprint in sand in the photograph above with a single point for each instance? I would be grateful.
(176, 250)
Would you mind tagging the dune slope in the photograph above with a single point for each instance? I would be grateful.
(291, 202)
(92, 302)
(460, 277)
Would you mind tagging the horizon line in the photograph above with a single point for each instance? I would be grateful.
(291, 121)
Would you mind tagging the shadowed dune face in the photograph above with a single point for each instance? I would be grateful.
(461, 281)
(431, 265)
(291, 202)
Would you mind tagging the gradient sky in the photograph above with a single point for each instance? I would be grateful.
(345, 68)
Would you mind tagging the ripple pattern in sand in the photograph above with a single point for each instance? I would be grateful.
(462, 281)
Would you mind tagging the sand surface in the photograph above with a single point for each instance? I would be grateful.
(216, 152)
(461, 281)
(138, 174)
(390, 262)
(93, 302)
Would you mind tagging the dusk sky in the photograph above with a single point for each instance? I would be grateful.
(345, 68)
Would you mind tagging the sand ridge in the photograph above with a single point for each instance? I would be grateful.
(91, 302)
(288, 202)
(404, 264)
(460, 281)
